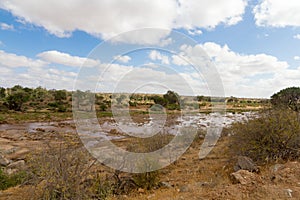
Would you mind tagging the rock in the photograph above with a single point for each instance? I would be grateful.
(4, 161)
(288, 192)
(184, 188)
(20, 164)
(245, 163)
(10, 171)
(165, 184)
(277, 167)
(243, 177)
(141, 190)
(151, 196)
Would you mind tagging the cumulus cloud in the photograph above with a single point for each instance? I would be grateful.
(257, 75)
(123, 59)
(297, 36)
(106, 19)
(66, 59)
(209, 14)
(296, 57)
(156, 55)
(277, 13)
(194, 32)
(13, 60)
(35, 72)
(4, 26)
(179, 60)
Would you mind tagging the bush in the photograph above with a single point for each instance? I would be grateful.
(7, 181)
(273, 136)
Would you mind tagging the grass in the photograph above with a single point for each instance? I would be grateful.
(7, 181)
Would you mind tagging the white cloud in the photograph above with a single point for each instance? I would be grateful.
(123, 59)
(179, 60)
(155, 55)
(209, 14)
(194, 32)
(13, 60)
(34, 73)
(296, 57)
(4, 26)
(277, 13)
(297, 36)
(257, 75)
(105, 19)
(67, 59)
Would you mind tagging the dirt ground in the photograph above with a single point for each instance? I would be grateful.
(187, 178)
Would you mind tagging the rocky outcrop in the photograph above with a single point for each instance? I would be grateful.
(245, 163)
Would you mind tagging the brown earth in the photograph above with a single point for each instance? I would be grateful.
(187, 178)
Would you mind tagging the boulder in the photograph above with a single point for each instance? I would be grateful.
(243, 177)
(20, 164)
(245, 163)
(4, 161)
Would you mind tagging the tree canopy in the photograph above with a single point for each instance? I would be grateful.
(287, 98)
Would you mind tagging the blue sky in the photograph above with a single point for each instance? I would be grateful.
(255, 45)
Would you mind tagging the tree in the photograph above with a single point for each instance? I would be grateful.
(2, 93)
(60, 95)
(16, 100)
(287, 98)
(172, 97)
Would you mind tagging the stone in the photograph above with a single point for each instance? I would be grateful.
(165, 184)
(277, 167)
(20, 164)
(141, 190)
(4, 161)
(243, 177)
(245, 163)
(184, 188)
(288, 192)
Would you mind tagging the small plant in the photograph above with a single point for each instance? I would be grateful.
(7, 181)
(275, 135)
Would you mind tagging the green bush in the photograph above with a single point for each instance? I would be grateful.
(273, 136)
(7, 181)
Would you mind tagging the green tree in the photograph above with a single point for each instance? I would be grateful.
(60, 95)
(172, 97)
(287, 98)
(17, 99)
(2, 93)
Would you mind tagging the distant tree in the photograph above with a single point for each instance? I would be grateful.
(17, 99)
(287, 98)
(16, 88)
(159, 100)
(2, 93)
(60, 95)
(172, 97)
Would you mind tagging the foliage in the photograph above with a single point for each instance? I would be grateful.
(275, 135)
(2, 93)
(17, 99)
(61, 169)
(60, 95)
(7, 181)
(147, 180)
(172, 97)
(287, 98)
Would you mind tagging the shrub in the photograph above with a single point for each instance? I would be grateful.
(7, 181)
(275, 135)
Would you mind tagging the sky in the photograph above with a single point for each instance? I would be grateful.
(252, 46)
